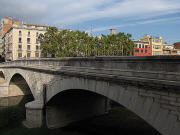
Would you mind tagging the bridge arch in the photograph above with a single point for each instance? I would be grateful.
(18, 86)
(145, 105)
(73, 105)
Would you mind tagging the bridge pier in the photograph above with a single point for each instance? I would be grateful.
(34, 114)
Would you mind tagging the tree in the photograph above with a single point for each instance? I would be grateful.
(50, 42)
(68, 43)
(117, 44)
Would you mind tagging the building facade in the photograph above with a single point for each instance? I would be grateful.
(21, 41)
(142, 49)
(155, 42)
(5, 24)
(177, 45)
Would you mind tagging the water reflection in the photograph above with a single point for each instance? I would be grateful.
(19, 101)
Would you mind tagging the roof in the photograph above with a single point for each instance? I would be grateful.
(36, 25)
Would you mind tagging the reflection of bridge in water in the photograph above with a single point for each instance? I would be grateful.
(148, 86)
(15, 100)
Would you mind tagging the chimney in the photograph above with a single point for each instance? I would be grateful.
(112, 31)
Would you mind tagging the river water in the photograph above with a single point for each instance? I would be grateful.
(118, 120)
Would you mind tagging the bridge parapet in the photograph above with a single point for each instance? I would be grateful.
(141, 63)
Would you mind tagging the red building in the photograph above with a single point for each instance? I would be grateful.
(142, 49)
(177, 45)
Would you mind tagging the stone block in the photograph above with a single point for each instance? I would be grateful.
(161, 101)
(169, 98)
(168, 124)
(146, 107)
(178, 100)
(160, 93)
(121, 94)
(127, 98)
(160, 118)
(154, 110)
(176, 129)
(170, 107)
(174, 103)
(174, 95)
(133, 99)
(149, 95)
(177, 113)
(113, 91)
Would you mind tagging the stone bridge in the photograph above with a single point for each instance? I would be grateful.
(70, 89)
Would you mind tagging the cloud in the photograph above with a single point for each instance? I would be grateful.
(66, 13)
(164, 20)
(23, 10)
(81, 11)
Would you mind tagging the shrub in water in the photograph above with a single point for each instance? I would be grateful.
(10, 116)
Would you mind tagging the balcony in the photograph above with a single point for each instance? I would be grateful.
(28, 50)
(19, 50)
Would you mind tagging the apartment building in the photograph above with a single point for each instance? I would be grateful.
(5, 24)
(155, 42)
(21, 41)
(142, 49)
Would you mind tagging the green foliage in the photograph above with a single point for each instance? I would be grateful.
(10, 116)
(67, 43)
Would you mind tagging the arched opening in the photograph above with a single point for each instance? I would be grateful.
(2, 78)
(18, 86)
(119, 119)
(19, 92)
(73, 105)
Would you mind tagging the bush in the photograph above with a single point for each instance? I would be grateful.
(10, 116)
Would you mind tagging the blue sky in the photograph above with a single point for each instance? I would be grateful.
(137, 17)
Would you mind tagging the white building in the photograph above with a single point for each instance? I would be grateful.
(21, 41)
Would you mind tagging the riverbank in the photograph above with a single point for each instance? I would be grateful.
(119, 120)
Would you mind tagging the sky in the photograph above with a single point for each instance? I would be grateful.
(137, 17)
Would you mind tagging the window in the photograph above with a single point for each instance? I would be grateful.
(19, 47)
(28, 40)
(19, 55)
(141, 50)
(37, 47)
(20, 33)
(37, 41)
(37, 55)
(157, 47)
(29, 33)
(142, 45)
(28, 47)
(20, 40)
(136, 50)
(28, 55)
(145, 51)
(156, 53)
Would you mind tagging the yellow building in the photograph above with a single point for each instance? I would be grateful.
(21, 41)
(155, 42)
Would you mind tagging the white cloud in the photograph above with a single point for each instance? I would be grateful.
(67, 12)
(81, 11)
(164, 20)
